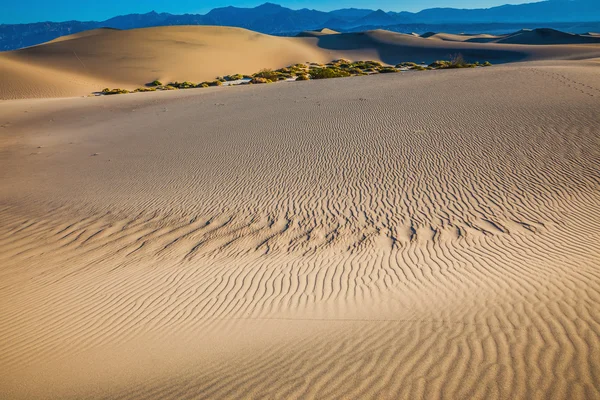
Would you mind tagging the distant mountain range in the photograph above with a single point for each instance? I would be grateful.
(274, 19)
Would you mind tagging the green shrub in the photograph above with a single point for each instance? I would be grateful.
(356, 71)
(234, 77)
(408, 64)
(386, 70)
(145, 89)
(260, 79)
(327, 73)
(156, 83)
(183, 85)
(267, 74)
(302, 77)
(487, 64)
(456, 61)
(107, 91)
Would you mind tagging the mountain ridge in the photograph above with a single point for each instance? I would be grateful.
(275, 19)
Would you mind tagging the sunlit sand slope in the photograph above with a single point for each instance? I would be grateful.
(418, 235)
(87, 62)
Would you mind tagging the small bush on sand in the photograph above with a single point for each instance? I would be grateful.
(456, 61)
(487, 64)
(156, 83)
(183, 85)
(145, 89)
(258, 79)
(326, 73)
(234, 77)
(267, 74)
(407, 65)
(387, 70)
(107, 91)
(302, 77)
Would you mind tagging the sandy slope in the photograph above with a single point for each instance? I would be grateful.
(418, 235)
(87, 62)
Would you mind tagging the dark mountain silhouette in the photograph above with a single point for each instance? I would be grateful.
(379, 18)
(275, 19)
(350, 14)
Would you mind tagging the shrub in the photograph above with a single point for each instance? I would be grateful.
(156, 83)
(145, 89)
(234, 77)
(407, 65)
(487, 64)
(259, 79)
(356, 71)
(386, 70)
(183, 85)
(326, 73)
(107, 91)
(456, 61)
(302, 77)
(373, 64)
(267, 74)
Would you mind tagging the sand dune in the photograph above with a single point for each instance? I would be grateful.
(131, 58)
(319, 32)
(80, 64)
(422, 235)
(537, 37)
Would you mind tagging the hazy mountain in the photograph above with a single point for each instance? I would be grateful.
(275, 19)
(378, 18)
(349, 14)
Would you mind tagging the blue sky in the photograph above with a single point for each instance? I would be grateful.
(15, 11)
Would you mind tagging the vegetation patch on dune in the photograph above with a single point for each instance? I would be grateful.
(302, 72)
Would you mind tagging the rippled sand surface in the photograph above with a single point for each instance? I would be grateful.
(415, 235)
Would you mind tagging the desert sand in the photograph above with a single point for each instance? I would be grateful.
(81, 64)
(410, 235)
